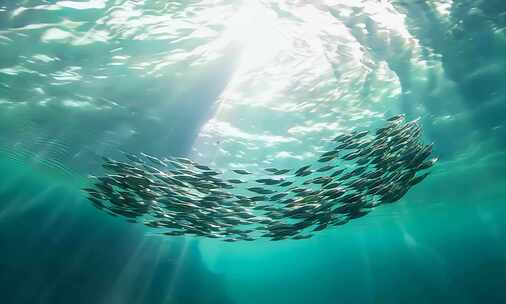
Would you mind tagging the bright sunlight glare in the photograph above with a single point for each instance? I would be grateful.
(256, 29)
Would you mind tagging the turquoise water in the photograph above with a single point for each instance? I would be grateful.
(249, 84)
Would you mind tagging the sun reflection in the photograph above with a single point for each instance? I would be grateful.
(257, 30)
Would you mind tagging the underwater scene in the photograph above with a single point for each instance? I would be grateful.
(255, 151)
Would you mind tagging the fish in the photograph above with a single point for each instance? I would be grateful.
(321, 227)
(418, 179)
(365, 152)
(193, 199)
(210, 173)
(269, 181)
(286, 184)
(359, 170)
(358, 214)
(133, 158)
(175, 164)
(326, 159)
(363, 161)
(302, 169)
(183, 160)
(342, 137)
(260, 190)
(332, 153)
(202, 167)
(304, 173)
(337, 172)
(258, 198)
(330, 185)
(333, 193)
(396, 118)
(346, 176)
(278, 196)
(427, 164)
(242, 172)
(235, 181)
(154, 160)
(282, 171)
(358, 135)
(271, 170)
(298, 190)
(322, 180)
(351, 156)
(302, 236)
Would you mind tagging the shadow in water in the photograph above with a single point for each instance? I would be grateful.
(58, 249)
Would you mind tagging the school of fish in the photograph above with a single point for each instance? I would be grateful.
(180, 197)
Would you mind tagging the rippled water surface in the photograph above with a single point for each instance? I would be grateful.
(250, 85)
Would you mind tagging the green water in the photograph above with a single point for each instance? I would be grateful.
(250, 84)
